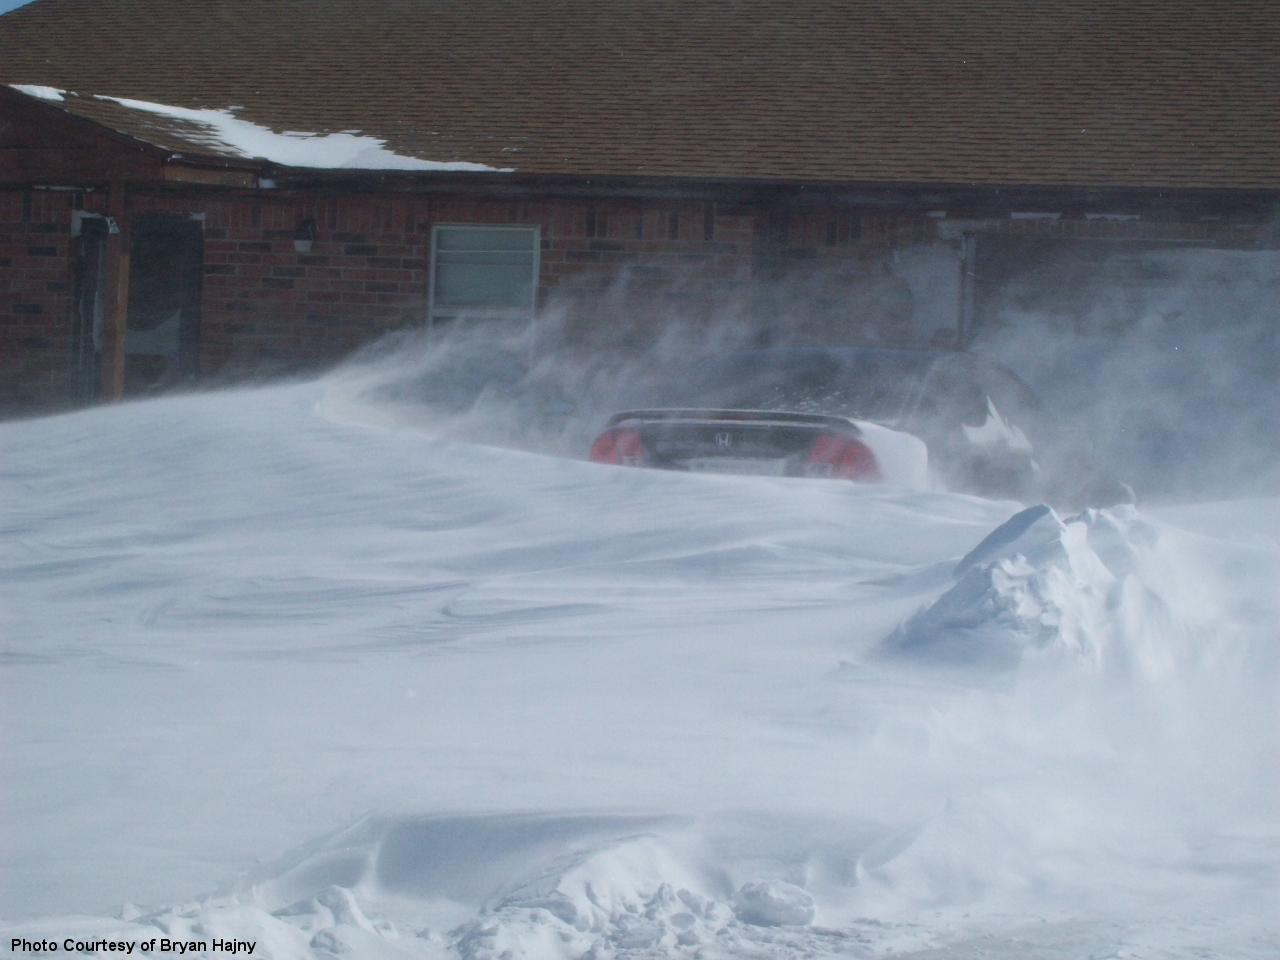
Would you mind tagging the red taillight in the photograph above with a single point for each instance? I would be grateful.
(843, 457)
(620, 446)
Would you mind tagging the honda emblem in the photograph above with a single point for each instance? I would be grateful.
(724, 439)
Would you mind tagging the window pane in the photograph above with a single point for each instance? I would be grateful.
(499, 257)
(484, 268)
(485, 238)
(477, 285)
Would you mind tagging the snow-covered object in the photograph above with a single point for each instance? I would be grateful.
(224, 132)
(1094, 590)
(550, 886)
(774, 903)
(1033, 585)
(903, 459)
(630, 894)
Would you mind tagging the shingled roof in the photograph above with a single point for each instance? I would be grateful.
(1094, 93)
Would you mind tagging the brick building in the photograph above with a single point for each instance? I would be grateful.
(864, 171)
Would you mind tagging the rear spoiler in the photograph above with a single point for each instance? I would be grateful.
(734, 416)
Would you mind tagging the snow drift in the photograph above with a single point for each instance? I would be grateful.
(1106, 591)
(352, 689)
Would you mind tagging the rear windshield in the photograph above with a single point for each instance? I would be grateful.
(867, 384)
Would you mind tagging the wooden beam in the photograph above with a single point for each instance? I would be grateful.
(116, 298)
(177, 173)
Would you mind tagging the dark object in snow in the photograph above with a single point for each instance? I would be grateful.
(986, 431)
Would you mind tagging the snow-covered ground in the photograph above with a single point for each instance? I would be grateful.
(278, 673)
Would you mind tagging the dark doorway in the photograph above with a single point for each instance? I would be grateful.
(166, 267)
(86, 332)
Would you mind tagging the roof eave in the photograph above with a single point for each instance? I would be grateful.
(750, 190)
(78, 123)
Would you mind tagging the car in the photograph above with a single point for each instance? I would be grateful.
(777, 443)
(941, 418)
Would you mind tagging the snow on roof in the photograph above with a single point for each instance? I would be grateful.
(35, 90)
(1141, 94)
(224, 132)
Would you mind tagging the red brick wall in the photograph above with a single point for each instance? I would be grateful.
(266, 305)
(36, 299)
(606, 266)
(790, 235)
(608, 269)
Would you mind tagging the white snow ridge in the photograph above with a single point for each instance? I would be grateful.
(1039, 586)
(571, 886)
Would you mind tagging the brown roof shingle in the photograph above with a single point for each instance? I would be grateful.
(1124, 93)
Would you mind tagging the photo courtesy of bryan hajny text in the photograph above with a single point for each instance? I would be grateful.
(127, 947)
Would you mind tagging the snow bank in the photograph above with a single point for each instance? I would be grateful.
(1097, 591)
(1033, 585)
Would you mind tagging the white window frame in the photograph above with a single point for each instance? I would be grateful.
(434, 315)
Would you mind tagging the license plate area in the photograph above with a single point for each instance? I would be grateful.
(744, 466)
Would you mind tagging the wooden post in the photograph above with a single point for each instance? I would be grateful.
(116, 298)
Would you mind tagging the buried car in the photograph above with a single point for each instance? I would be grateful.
(777, 443)
(867, 415)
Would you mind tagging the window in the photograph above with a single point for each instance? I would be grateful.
(484, 272)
